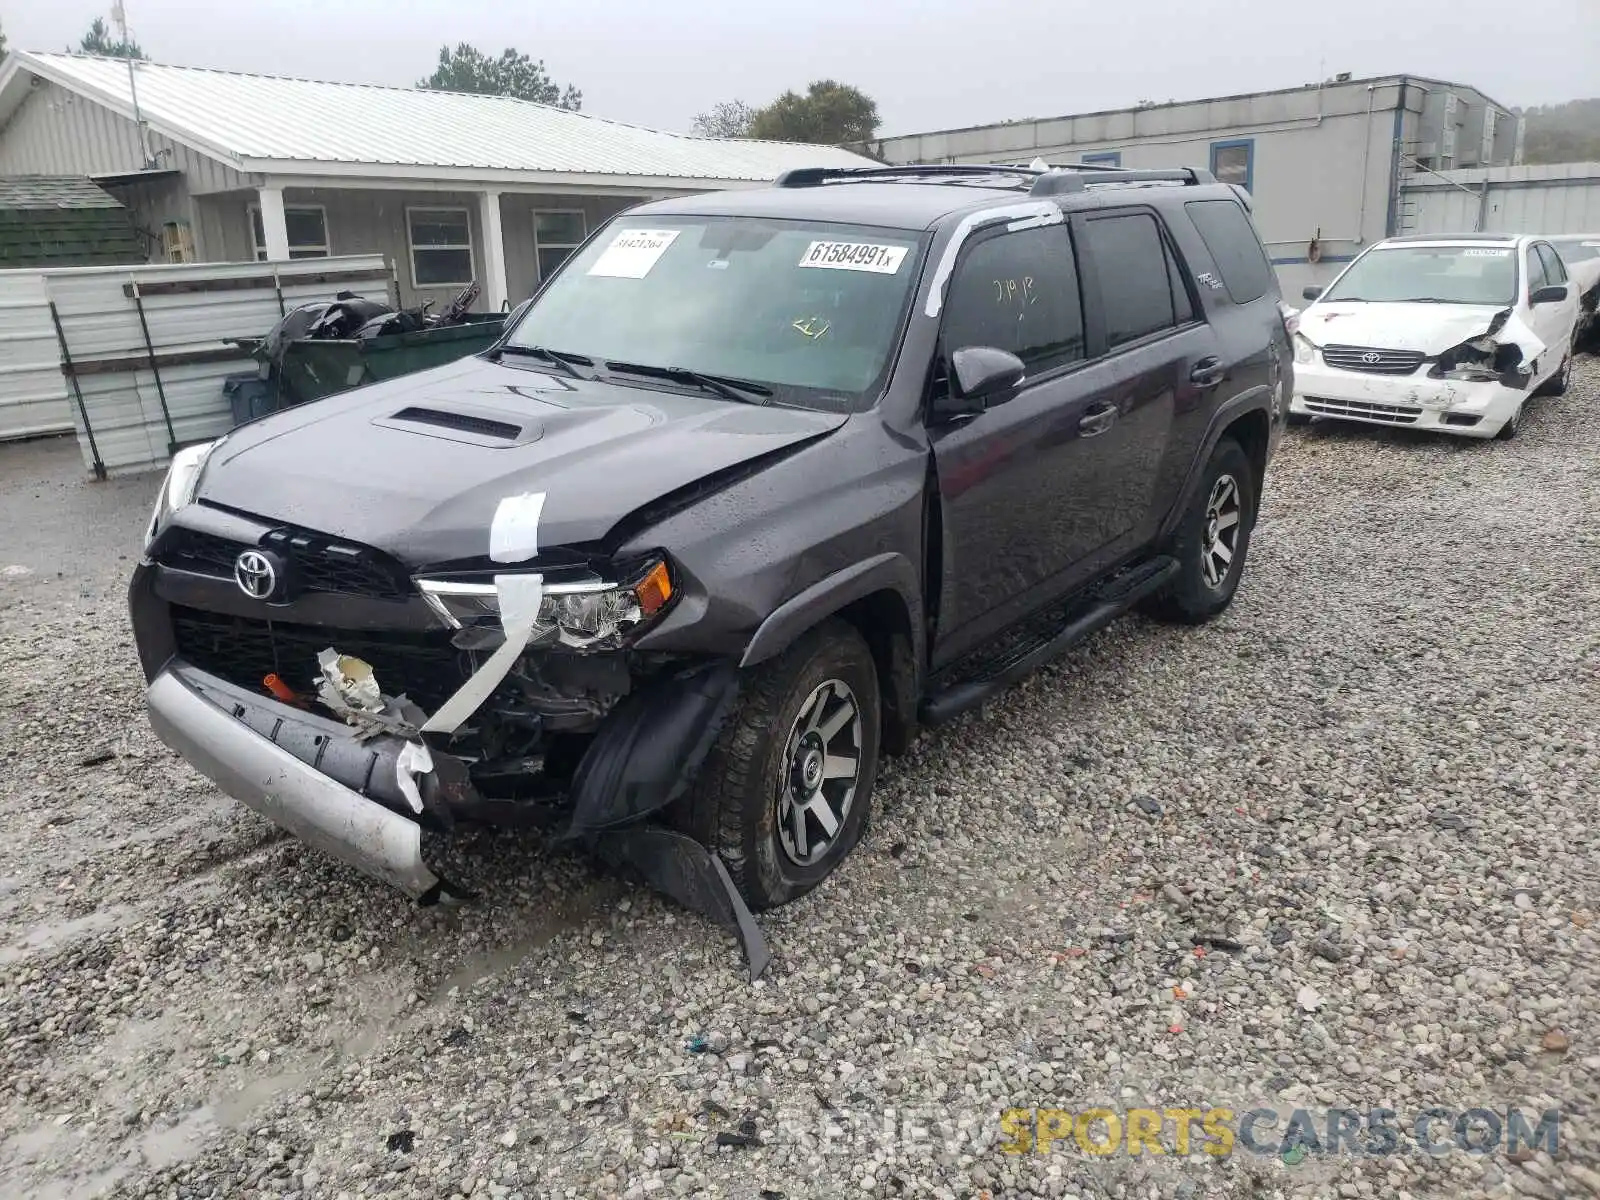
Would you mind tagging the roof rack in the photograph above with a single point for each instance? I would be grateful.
(1052, 179)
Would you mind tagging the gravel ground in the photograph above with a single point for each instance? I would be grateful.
(1368, 792)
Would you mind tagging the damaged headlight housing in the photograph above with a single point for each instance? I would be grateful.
(577, 615)
(179, 486)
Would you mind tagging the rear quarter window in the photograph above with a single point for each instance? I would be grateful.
(1234, 247)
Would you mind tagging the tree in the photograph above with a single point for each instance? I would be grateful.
(99, 41)
(1559, 133)
(2, 43)
(468, 69)
(730, 119)
(830, 113)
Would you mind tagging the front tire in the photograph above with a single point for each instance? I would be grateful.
(1558, 383)
(784, 795)
(1513, 425)
(1212, 541)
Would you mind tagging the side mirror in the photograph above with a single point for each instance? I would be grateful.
(981, 371)
(1311, 293)
(977, 373)
(1551, 293)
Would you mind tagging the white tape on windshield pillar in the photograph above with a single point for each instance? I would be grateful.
(520, 597)
(514, 532)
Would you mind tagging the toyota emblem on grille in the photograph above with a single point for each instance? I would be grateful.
(1372, 356)
(256, 576)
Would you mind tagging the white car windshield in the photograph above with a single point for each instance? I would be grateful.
(809, 311)
(1431, 275)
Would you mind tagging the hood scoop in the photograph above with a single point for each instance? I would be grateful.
(458, 423)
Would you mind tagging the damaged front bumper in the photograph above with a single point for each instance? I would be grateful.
(1419, 401)
(234, 740)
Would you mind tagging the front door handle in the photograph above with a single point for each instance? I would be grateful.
(1208, 372)
(1097, 420)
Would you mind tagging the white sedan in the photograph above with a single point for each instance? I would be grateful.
(1447, 333)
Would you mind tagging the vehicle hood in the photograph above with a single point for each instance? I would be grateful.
(1429, 328)
(417, 467)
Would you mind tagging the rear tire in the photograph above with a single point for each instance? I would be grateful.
(773, 785)
(1212, 540)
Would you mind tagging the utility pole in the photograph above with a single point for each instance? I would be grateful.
(119, 17)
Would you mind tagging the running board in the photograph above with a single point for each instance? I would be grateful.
(1115, 597)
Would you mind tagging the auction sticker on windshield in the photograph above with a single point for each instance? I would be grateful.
(633, 252)
(1487, 253)
(854, 256)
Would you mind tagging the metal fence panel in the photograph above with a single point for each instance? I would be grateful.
(33, 392)
(137, 413)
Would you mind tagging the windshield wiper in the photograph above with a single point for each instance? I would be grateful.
(745, 391)
(558, 358)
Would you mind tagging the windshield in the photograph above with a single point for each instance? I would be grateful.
(810, 310)
(1440, 274)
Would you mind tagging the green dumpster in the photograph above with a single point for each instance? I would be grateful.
(316, 367)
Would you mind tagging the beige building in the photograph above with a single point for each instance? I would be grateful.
(219, 166)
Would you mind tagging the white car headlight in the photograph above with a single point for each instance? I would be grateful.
(1304, 350)
(590, 615)
(177, 489)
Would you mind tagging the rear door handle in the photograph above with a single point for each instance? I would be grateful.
(1097, 420)
(1208, 372)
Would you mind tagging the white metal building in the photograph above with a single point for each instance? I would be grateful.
(1324, 163)
(219, 166)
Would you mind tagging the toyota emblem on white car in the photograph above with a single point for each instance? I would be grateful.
(256, 576)
(1371, 356)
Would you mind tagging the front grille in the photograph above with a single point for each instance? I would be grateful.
(1372, 360)
(319, 564)
(424, 667)
(1394, 414)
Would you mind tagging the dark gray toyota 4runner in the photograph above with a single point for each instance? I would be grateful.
(758, 483)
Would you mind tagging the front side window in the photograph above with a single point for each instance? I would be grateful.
(813, 310)
(1429, 274)
(1536, 275)
(1136, 278)
(556, 234)
(307, 225)
(1018, 292)
(1554, 271)
(441, 246)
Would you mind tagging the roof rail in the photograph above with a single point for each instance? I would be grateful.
(812, 176)
(1051, 179)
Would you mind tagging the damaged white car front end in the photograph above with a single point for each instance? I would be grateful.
(1416, 366)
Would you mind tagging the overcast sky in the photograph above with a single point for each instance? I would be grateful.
(930, 64)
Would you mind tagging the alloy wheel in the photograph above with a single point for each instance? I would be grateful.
(1221, 536)
(821, 771)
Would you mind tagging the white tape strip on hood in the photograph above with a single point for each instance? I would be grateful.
(520, 597)
(514, 532)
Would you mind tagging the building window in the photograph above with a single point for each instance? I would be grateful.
(308, 231)
(441, 247)
(1234, 162)
(556, 234)
(1106, 158)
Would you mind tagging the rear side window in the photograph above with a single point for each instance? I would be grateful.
(1136, 277)
(1019, 292)
(1236, 250)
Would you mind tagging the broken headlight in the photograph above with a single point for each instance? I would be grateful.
(583, 615)
(1480, 360)
(177, 489)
